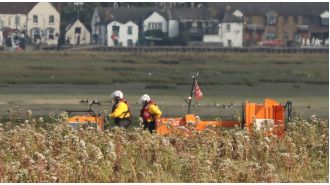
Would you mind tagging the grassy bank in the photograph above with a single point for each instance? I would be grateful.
(54, 81)
(162, 70)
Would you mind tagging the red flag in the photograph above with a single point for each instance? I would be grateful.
(114, 37)
(198, 92)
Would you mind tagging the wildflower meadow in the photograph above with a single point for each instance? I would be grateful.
(37, 151)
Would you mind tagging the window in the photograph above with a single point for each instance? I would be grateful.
(17, 20)
(114, 36)
(51, 19)
(129, 42)
(77, 30)
(271, 19)
(115, 30)
(194, 26)
(270, 35)
(150, 26)
(35, 19)
(129, 30)
(51, 34)
(325, 21)
(228, 28)
(286, 35)
(36, 35)
(155, 26)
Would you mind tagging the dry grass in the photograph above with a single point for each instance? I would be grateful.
(39, 152)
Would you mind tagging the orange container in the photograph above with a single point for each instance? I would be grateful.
(271, 112)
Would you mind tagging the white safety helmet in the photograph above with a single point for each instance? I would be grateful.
(117, 94)
(144, 98)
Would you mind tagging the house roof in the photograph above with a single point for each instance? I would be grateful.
(189, 13)
(230, 18)
(70, 24)
(138, 14)
(16, 7)
(125, 14)
(68, 27)
(281, 8)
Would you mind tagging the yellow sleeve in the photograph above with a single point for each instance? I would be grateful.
(119, 111)
(153, 109)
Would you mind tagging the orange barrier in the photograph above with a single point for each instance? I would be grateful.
(271, 114)
(165, 126)
(95, 121)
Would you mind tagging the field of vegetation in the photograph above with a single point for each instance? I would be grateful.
(162, 70)
(36, 145)
(54, 81)
(37, 151)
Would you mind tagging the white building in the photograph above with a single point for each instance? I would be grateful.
(120, 34)
(194, 22)
(155, 22)
(102, 17)
(13, 15)
(43, 23)
(13, 21)
(77, 34)
(173, 28)
(325, 18)
(231, 31)
(39, 21)
(211, 38)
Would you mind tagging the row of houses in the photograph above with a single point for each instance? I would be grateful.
(233, 25)
(226, 24)
(39, 21)
(37, 24)
(294, 23)
(124, 26)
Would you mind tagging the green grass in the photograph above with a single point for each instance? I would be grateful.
(166, 68)
(55, 81)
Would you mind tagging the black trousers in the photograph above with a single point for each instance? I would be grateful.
(123, 122)
(151, 126)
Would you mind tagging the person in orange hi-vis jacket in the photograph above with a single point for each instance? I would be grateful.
(149, 114)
